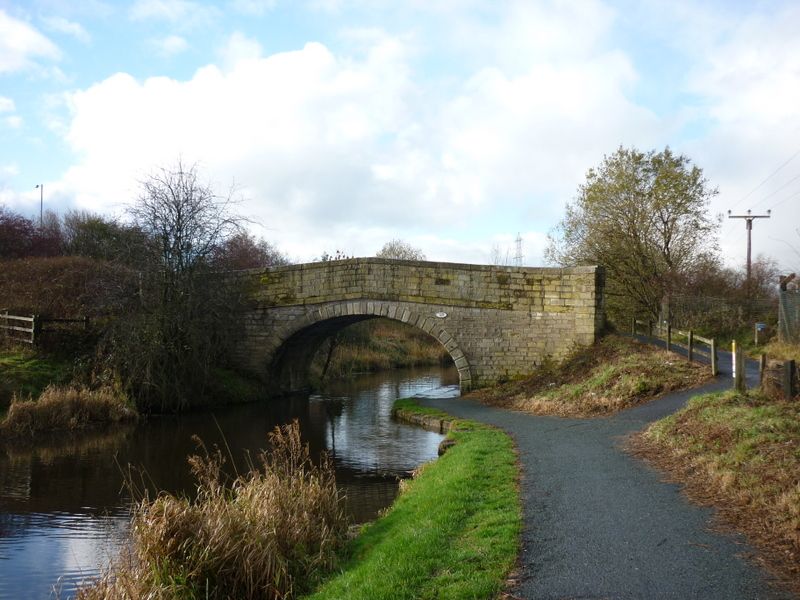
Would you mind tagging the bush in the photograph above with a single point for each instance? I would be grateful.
(266, 535)
(66, 287)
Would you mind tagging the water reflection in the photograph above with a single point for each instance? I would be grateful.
(64, 510)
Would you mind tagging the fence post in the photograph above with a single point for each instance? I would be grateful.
(669, 337)
(690, 352)
(738, 370)
(789, 369)
(633, 325)
(36, 326)
(649, 329)
(714, 365)
(762, 367)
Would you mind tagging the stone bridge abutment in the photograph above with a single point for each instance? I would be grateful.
(495, 322)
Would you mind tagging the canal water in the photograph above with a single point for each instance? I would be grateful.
(64, 510)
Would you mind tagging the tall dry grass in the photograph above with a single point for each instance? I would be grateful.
(267, 534)
(65, 408)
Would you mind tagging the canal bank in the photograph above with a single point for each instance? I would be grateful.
(454, 530)
(64, 511)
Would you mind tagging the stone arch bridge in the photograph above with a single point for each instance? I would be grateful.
(495, 322)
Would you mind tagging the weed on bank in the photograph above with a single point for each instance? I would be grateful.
(266, 535)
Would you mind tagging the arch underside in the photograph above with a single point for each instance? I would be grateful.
(300, 339)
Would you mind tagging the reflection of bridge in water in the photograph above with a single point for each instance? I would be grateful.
(496, 322)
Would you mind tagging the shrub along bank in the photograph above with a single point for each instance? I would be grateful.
(741, 454)
(452, 533)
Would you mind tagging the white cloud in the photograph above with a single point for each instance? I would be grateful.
(6, 105)
(9, 170)
(21, 45)
(14, 121)
(184, 12)
(238, 47)
(253, 7)
(72, 28)
(346, 151)
(170, 45)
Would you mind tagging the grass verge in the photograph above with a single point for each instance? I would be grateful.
(609, 376)
(65, 408)
(741, 454)
(452, 533)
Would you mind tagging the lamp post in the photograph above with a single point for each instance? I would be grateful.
(40, 187)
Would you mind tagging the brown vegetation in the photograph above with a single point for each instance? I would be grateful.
(65, 408)
(741, 454)
(66, 286)
(613, 374)
(268, 534)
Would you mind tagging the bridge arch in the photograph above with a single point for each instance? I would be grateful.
(496, 322)
(294, 343)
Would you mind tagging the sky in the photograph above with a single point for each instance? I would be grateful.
(454, 125)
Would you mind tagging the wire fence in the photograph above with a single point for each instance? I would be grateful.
(718, 316)
(789, 316)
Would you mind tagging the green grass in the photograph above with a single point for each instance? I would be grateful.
(741, 454)
(27, 374)
(411, 405)
(452, 533)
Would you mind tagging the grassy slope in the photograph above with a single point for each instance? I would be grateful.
(452, 533)
(613, 374)
(741, 454)
(28, 374)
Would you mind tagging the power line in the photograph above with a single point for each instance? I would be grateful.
(789, 197)
(784, 186)
(770, 176)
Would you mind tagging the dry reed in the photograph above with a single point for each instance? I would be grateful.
(267, 534)
(65, 408)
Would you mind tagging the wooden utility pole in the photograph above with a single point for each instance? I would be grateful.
(749, 222)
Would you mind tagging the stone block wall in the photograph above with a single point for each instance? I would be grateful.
(496, 322)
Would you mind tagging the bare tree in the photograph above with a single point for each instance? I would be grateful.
(400, 250)
(166, 353)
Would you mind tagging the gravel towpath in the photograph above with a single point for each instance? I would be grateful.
(599, 523)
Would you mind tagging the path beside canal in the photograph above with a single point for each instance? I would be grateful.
(600, 523)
